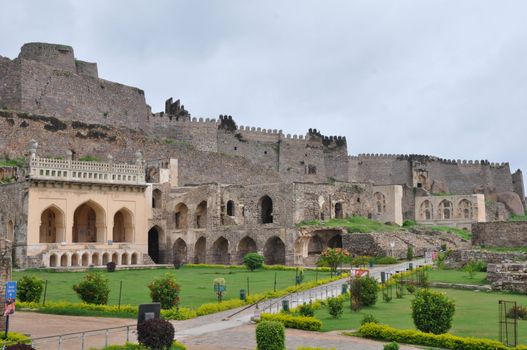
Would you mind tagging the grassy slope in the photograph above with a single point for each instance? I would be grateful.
(196, 283)
(476, 314)
(365, 225)
(457, 276)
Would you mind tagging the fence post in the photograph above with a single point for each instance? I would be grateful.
(127, 333)
(82, 341)
(60, 342)
(106, 339)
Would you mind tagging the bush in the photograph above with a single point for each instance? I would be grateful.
(306, 310)
(518, 312)
(409, 223)
(19, 347)
(13, 338)
(165, 290)
(93, 289)
(363, 291)
(133, 346)
(410, 288)
(253, 261)
(110, 267)
(155, 334)
(270, 336)
(410, 253)
(391, 346)
(369, 318)
(385, 260)
(432, 312)
(297, 322)
(30, 288)
(444, 341)
(335, 307)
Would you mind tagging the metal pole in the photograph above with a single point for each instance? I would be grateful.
(60, 342)
(120, 291)
(6, 326)
(45, 293)
(106, 339)
(128, 332)
(248, 286)
(275, 281)
(82, 341)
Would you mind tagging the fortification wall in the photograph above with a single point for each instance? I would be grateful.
(500, 234)
(55, 137)
(381, 169)
(56, 56)
(13, 218)
(66, 95)
(517, 184)
(10, 88)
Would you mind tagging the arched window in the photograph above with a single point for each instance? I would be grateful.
(89, 223)
(445, 209)
(266, 210)
(426, 210)
(421, 181)
(339, 211)
(10, 230)
(230, 208)
(201, 215)
(123, 226)
(380, 203)
(465, 209)
(156, 198)
(181, 216)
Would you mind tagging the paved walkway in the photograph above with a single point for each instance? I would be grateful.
(216, 331)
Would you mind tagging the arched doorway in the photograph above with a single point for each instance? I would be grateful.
(220, 252)
(265, 205)
(230, 208)
(338, 211)
(274, 251)
(156, 198)
(201, 215)
(180, 217)
(335, 241)
(200, 252)
(123, 226)
(180, 251)
(88, 223)
(11, 231)
(245, 246)
(315, 246)
(153, 243)
(52, 225)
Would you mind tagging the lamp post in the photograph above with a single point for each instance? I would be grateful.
(392, 245)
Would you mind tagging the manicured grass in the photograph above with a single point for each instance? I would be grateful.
(353, 224)
(476, 314)
(457, 276)
(196, 283)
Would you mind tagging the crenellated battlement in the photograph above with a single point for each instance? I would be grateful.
(427, 158)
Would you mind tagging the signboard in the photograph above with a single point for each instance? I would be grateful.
(10, 297)
(148, 312)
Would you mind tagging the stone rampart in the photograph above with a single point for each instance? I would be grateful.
(500, 234)
(458, 258)
(508, 276)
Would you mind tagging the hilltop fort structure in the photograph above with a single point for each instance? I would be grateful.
(101, 178)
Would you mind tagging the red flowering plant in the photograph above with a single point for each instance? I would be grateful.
(333, 258)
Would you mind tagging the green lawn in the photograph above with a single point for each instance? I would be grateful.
(457, 276)
(476, 314)
(196, 283)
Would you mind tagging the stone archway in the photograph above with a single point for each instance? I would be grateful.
(315, 246)
(181, 217)
(52, 226)
(123, 226)
(335, 241)
(179, 251)
(89, 223)
(245, 246)
(220, 252)
(200, 251)
(274, 251)
(154, 235)
(265, 205)
(201, 215)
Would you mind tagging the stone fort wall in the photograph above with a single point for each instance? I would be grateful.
(500, 234)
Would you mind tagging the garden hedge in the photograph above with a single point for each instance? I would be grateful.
(13, 338)
(446, 341)
(298, 322)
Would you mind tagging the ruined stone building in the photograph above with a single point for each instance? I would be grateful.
(105, 179)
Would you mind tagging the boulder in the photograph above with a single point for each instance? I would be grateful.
(512, 201)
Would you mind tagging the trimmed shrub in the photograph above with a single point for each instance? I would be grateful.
(410, 253)
(391, 346)
(445, 341)
(110, 267)
(253, 261)
(363, 292)
(432, 312)
(306, 310)
(369, 318)
(93, 289)
(30, 288)
(165, 290)
(270, 336)
(297, 322)
(20, 347)
(335, 307)
(155, 334)
(13, 338)
(385, 260)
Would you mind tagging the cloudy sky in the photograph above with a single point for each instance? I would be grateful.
(447, 78)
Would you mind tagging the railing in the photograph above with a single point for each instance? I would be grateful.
(84, 171)
(98, 338)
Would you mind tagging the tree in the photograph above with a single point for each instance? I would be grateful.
(253, 261)
(432, 312)
(333, 258)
